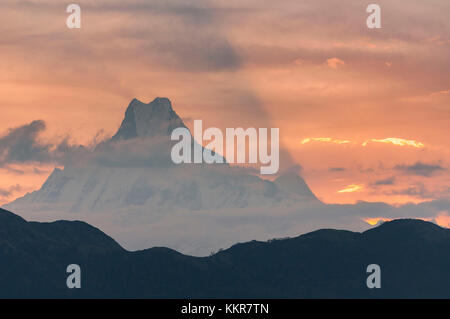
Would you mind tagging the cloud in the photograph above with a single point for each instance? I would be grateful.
(443, 219)
(199, 232)
(396, 141)
(325, 140)
(334, 63)
(351, 188)
(443, 92)
(40, 171)
(199, 54)
(176, 35)
(375, 220)
(7, 192)
(419, 191)
(21, 145)
(337, 169)
(390, 140)
(420, 169)
(138, 152)
(386, 181)
(129, 48)
(14, 170)
(294, 169)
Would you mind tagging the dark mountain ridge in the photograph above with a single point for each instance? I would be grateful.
(413, 256)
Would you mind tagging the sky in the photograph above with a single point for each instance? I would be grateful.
(364, 114)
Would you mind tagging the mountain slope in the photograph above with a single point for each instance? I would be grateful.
(413, 256)
(133, 170)
(294, 185)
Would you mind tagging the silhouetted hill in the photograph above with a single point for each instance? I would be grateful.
(413, 255)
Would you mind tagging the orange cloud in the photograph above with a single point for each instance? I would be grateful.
(324, 139)
(396, 141)
(443, 92)
(374, 221)
(334, 63)
(351, 188)
(443, 219)
(390, 140)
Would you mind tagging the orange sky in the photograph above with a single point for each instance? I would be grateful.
(336, 89)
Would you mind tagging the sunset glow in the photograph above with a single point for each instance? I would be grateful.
(443, 219)
(351, 103)
(225, 149)
(351, 188)
(396, 141)
(376, 220)
(324, 139)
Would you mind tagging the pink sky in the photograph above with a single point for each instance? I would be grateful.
(364, 112)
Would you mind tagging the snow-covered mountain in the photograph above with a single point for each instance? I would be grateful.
(129, 187)
(133, 170)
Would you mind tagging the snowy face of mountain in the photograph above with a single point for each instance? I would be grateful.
(294, 185)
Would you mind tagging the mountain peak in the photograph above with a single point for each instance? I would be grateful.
(156, 118)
